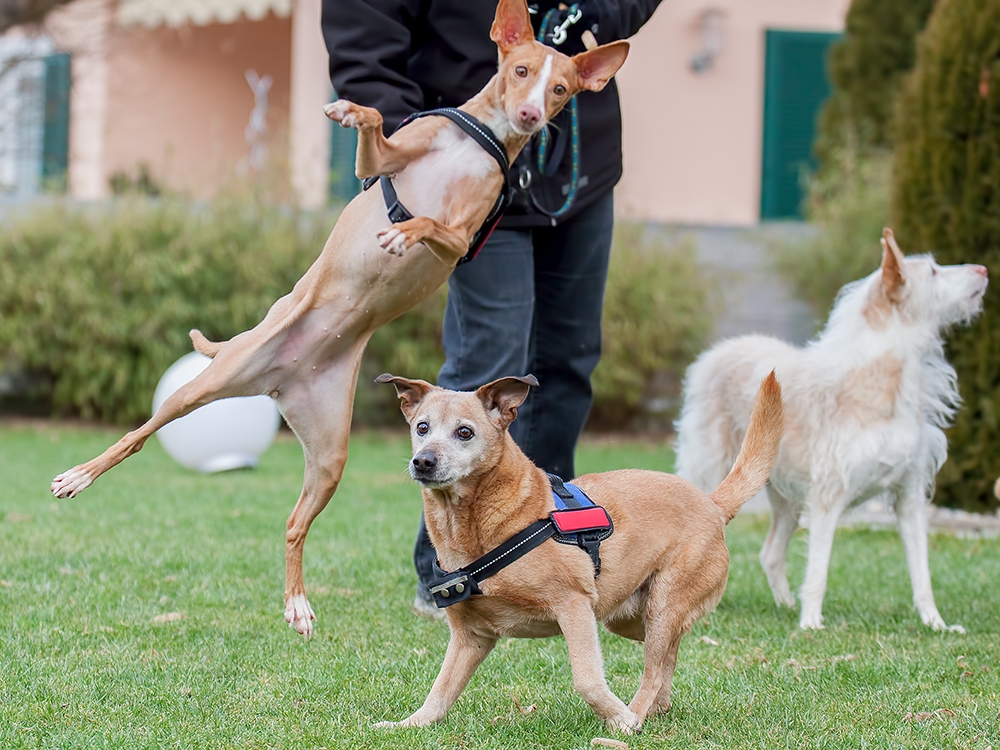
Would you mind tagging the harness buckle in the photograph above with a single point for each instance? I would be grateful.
(455, 589)
(397, 212)
(590, 542)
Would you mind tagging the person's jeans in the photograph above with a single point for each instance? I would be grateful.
(531, 302)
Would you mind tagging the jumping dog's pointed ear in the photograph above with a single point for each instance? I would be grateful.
(892, 267)
(410, 392)
(512, 25)
(503, 396)
(595, 67)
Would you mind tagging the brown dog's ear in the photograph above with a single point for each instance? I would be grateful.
(410, 392)
(892, 267)
(595, 67)
(503, 396)
(512, 25)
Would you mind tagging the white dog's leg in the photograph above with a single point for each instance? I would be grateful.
(822, 525)
(911, 513)
(774, 553)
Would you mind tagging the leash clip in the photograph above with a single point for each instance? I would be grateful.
(559, 31)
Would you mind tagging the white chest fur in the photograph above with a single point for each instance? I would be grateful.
(455, 162)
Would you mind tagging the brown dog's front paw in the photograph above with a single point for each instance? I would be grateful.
(627, 722)
(393, 241)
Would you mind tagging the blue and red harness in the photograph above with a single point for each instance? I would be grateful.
(576, 520)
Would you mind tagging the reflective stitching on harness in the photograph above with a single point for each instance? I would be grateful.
(471, 124)
(501, 557)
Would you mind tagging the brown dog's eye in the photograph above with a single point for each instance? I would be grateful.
(464, 433)
(423, 428)
(521, 71)
(559, 90)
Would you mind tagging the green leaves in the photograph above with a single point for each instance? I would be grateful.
(98, 301)
(946, 195)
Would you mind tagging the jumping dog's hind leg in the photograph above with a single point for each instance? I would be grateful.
(237, 370)
(319, 412)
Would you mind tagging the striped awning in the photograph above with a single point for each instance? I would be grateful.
(153, 13)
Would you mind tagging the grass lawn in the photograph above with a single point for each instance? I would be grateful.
(85, 661)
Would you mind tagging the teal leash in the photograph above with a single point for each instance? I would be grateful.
(543, 140)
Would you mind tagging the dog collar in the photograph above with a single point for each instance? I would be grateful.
(489, 142)
(576, 520)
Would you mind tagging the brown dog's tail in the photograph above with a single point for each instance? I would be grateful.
(758, 452)
(203, 345)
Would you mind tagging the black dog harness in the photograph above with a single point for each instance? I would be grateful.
(576, 520)
(490, 143)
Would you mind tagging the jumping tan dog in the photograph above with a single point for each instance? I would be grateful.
(664, 566)
(306, 352)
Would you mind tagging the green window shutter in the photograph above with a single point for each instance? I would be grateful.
(795, 87)
(343, 150)
(55, 135)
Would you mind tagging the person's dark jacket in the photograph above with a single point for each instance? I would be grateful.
(404, 56)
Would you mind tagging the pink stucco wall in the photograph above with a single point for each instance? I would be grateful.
(179, 102)
(693, 141)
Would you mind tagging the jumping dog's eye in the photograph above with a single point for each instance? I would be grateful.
(521, 71)
(464, 433)
(422, 428)
(559, 90)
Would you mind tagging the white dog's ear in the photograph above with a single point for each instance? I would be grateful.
(410, 392)
(892, 267)
(502, 397)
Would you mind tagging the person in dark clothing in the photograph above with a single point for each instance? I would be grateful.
(531, 301)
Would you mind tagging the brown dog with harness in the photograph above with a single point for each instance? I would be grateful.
(664, 566)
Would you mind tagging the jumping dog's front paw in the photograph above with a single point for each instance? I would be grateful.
(350, 115)
(299, 615)
(393, 241)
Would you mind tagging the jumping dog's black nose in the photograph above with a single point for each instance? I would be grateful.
(424, 462)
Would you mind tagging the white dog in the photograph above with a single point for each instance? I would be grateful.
(865, 404)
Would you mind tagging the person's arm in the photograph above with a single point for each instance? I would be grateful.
(369, 42)
(620, 19)
(607, 20)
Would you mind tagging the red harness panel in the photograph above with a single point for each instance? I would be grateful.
(580, 519)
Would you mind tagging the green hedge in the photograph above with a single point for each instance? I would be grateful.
(96, 303)
(947, 199)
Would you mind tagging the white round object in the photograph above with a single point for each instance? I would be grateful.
(227, 434)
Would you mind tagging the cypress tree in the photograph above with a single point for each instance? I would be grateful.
(865, 68)
(946, 200)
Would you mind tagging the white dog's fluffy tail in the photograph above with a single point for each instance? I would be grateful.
(758, 452)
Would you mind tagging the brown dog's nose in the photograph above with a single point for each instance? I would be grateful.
(424, 461)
